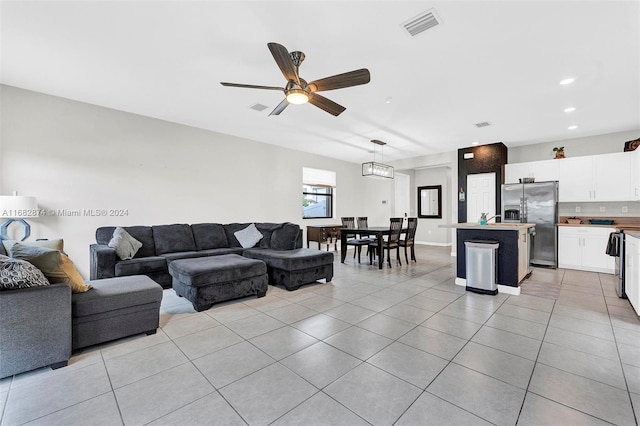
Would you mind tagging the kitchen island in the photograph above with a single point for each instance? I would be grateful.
(512, 255)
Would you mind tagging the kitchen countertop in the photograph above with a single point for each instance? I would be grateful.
(590, 225)
(635, 234)
(490, 226)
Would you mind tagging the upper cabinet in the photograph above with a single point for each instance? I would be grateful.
(541, 171)
(634, 188)
(604, 177)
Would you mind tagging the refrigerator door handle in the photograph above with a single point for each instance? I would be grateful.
(525, 212)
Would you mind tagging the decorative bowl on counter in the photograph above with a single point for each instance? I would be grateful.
(601, 221)
(527, 180)
(574, 221)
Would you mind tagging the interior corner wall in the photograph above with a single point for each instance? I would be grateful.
(485, 159)
(91, 166)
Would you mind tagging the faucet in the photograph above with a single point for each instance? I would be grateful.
(483, 218)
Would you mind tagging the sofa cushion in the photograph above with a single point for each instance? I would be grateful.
(209, 236)
(57, 267)
(182, 255)
(230, 229)
(221, 251)
(266, 229)
(173, 238)
(144, 266)
(124, 244)
(17, 273)
(144, 234)
(284, 238)
(291, 260)
(116, 293)
(249, 236)
(216, 269)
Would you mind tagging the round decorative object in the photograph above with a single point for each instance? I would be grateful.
(632, 145)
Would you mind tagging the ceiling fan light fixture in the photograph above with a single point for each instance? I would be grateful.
(297, 96)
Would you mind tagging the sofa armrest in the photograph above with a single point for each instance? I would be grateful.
(102, 262)
(35, 328)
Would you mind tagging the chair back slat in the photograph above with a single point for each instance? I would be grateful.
(395, 226)
(348, 222)
(363, 222)
(412, 224)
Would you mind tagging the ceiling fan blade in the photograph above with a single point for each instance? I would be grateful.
(326, 104)
(281, 106)
(252, 86)
(347, 79)
(284, 61)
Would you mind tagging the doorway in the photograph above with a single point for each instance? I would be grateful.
(481, 195)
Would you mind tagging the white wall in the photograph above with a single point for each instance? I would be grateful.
(428, 231)
(75, 156)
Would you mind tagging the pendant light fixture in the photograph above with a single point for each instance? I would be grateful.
(378, 170)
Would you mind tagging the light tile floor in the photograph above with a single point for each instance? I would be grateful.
(400, 346)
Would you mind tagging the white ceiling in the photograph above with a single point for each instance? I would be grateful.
(495, 61)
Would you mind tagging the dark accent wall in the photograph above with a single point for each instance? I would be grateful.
(486, 159)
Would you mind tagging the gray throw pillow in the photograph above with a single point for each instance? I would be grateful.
(125, 245)
(16, 273)
(249, 236)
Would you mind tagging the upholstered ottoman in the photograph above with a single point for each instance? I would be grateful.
(293, 268)
(207, 280)
(115, 308)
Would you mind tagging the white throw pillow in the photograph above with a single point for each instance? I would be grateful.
(249, 236)
(125, 245)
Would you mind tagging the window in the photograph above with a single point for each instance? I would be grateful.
(317, 193)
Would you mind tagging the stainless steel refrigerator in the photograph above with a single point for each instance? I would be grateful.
(535, 203)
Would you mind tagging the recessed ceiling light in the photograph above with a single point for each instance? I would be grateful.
(570, 109)
(475, 143)
(388, 100)
(572, 127)
(567, 81)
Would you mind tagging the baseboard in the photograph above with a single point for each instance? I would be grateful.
(429, 243)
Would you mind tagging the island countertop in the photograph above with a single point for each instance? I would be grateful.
(490, 226)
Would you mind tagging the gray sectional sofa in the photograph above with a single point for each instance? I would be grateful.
(288, 264)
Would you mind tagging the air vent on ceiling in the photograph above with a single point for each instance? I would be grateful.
(422, 22)
(482, 124)
(259, 107)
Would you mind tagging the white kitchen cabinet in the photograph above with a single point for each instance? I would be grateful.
(605, 177)
(541, 171)
(584, 248)
(632, 271)
(576, 179)
(634, 188)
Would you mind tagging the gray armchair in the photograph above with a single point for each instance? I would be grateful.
(35, 328)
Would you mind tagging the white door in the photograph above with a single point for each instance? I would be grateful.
(481, 196)
(403, 197)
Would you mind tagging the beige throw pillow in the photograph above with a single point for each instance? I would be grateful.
(57, 267)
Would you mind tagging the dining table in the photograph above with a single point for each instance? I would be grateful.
(378, 231)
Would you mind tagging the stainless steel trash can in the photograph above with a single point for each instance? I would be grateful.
(482, 257)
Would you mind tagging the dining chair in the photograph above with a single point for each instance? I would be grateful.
(395, 229)
(357, 243)
(363, 223)
(409, 239)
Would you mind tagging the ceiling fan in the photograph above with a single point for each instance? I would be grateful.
(298, 91)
